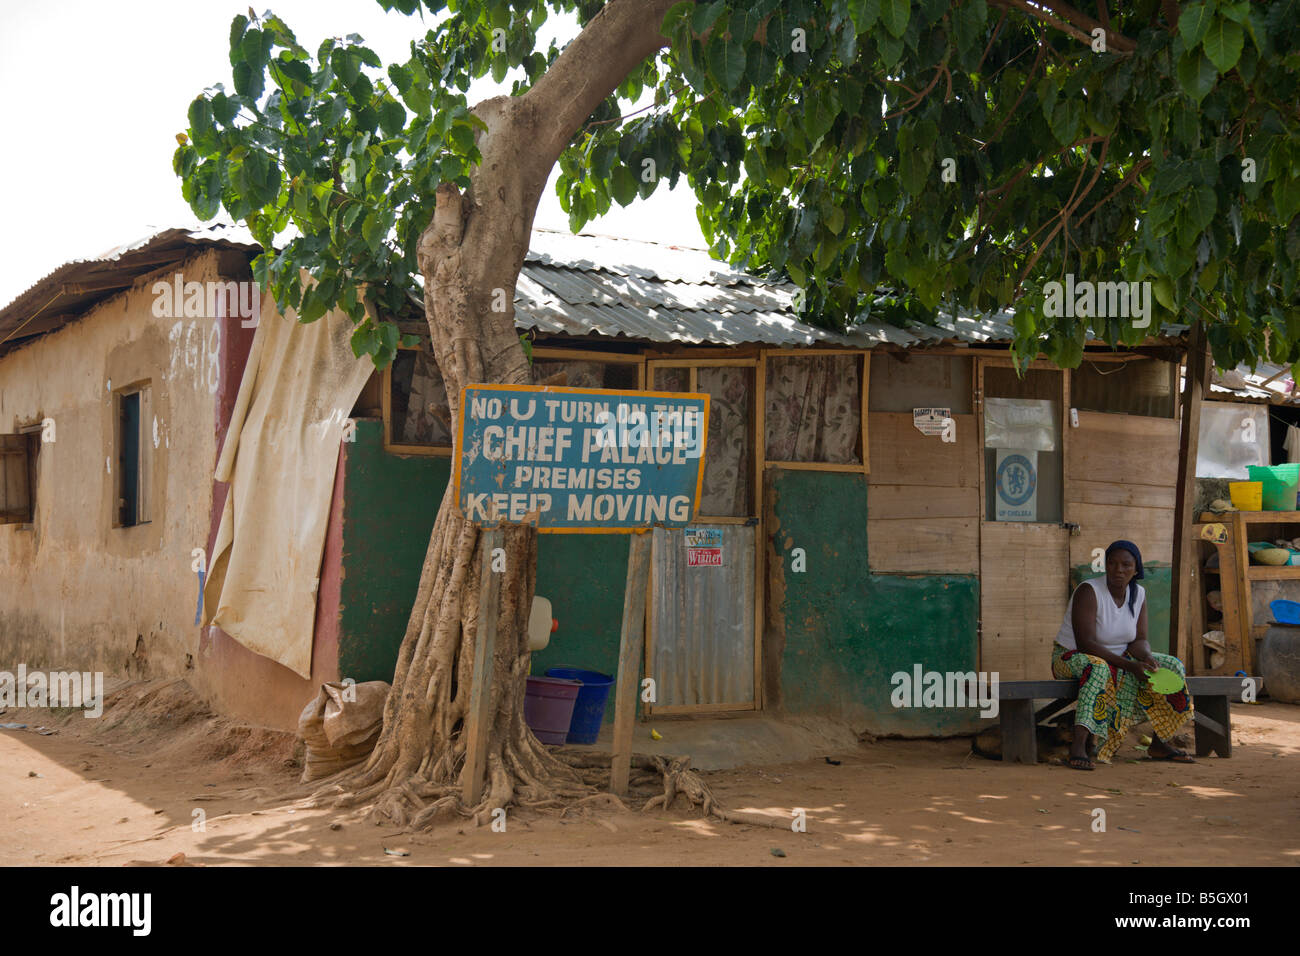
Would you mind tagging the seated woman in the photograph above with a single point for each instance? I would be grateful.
(1103, 644)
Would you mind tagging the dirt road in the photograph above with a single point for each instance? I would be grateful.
(133, 787)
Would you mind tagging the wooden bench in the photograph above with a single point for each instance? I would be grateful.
(1210, 697)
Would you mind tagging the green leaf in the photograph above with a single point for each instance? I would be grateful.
(200, 117)
(624, 184)
(256, 49)
(1193, 22)
(726, 60)
(1286, 197)
(891, 48)
(237, 27)
(1066, 119)
(864, 13)
(392, 118)
(1163, 290)
(314, 305)
(1238, 11)
(1208, 276)
(1223, 42)
(705, 15)
(295, 70)
(894, 14)
(365, 339)
(968, 21)
(350, 216)
(833, 217)
(1196, 75)
(1198, 208)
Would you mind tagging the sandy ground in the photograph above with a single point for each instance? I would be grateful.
(125, 789)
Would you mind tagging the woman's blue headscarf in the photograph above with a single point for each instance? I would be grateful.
(1132, 549)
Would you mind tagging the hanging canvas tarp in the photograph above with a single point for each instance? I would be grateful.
(279, 456)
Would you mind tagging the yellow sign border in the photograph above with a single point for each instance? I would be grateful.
(566, 390)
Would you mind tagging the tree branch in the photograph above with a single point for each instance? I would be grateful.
(1067, 19)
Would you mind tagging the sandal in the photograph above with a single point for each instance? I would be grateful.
(1080, 763)
(1174, 756)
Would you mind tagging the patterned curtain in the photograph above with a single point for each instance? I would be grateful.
(728, 475)
(428, 414)
(814, 408)
(579, 374)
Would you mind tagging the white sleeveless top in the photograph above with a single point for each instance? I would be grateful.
(1116, 626)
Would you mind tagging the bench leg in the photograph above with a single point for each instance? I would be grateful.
(1215, 733)
(1019, 737)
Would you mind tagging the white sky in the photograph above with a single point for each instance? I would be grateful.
(97, 92)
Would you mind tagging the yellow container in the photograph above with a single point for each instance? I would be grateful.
(1247, 495)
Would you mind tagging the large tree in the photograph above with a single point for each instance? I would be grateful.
(893, 158)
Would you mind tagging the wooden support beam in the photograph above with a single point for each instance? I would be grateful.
(478, 720)
(629, 660)
(1186, 583)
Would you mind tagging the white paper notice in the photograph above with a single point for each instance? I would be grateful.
(929, 421)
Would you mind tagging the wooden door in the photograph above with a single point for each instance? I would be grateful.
(1024, 539)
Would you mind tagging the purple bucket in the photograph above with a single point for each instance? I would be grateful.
(548, 707)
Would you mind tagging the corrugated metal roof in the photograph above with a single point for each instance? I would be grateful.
(1267, 382)
(74, 287)
(569, 285)
(579, 285)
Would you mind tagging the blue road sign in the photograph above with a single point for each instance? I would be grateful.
(579, 459)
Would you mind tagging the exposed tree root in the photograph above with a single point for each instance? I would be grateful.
(418, 803)
(679, 779)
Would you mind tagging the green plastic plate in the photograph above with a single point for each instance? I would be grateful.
(1165, 681)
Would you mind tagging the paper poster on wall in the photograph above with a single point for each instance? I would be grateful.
(929, 421)
(1016, 481)
(703, 547)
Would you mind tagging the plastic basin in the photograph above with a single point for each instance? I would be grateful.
(1280, 484)
(548, 707)
(1285, 612)
(589, 711)
(1247, 495)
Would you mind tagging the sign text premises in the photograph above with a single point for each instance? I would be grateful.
(570, 459)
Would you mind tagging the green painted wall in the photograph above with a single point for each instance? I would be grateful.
(389, 504)
(1158, 583)
(848, 630)
(584, 577)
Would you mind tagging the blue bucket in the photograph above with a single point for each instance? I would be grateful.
(1285, 612)
(589, 709)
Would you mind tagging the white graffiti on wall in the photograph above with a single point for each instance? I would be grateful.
(197, 353)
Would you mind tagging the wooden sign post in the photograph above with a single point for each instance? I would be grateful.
(567, 460)
(479, 720)
(630, 647)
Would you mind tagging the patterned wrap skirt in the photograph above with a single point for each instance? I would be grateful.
(1112, 700)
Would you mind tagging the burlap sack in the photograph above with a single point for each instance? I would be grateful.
(339, 731)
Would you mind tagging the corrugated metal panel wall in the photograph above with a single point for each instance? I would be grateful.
(702, 632)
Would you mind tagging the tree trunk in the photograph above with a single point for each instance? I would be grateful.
(470, 256)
